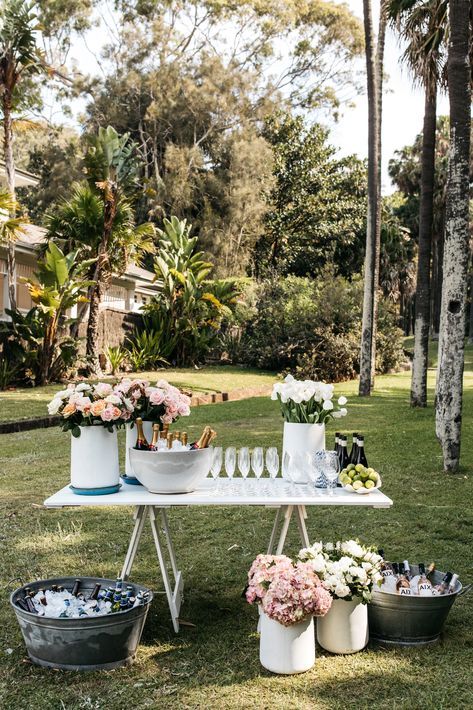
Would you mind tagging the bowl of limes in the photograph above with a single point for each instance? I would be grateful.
(359, 479)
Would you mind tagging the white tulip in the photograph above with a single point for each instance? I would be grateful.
(342, 401)
(327, 405)
(343, 412)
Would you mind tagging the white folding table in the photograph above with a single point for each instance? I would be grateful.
(289, 500)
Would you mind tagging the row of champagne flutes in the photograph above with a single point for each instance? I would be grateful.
(297, 468)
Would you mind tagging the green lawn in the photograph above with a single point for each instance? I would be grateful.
(215, 664)
(31, 402)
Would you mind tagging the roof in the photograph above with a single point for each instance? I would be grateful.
(22, 177)
(140, 273)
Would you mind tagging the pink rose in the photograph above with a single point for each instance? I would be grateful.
(103, 389)
(156, 397)
(108, 415)
(183, 410)
(83, 404)
(166, 419)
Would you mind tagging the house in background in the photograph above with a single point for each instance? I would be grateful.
(124, 296)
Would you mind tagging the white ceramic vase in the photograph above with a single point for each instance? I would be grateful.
(130, 441)
(344, 629)
(94, 458)
(286, 649)
(303, 437)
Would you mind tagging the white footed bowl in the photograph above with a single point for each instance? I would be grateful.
(170, 471)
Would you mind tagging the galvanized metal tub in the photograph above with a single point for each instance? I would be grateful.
(410, 621)
(84, 644)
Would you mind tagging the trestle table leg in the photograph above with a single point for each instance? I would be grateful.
(173, 594)
(301, 516)
(140, 517)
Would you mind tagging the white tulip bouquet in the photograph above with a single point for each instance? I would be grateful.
(307, 402)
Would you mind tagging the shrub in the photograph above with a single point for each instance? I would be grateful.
(313, 328)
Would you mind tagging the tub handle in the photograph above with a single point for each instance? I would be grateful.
(465, 590)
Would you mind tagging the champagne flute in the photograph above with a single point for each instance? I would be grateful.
(216, 466)
(272, 461)
(286, 472)
(230, 462)
(244, 461)
(257, 462)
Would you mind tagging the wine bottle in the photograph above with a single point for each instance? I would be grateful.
(95, 592)
(154, 446)
(343, 456)
(387, 572)
(360, 453)
(201, 443)
(403, 586)
(354, 448)
(442, 588)
(424, 585)
(407, 570)
(75, 588)
(453, 584)
(141, 442)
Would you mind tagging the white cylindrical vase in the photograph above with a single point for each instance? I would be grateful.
(344, 629)
(130, 441)
(286, 649)
(303, 437)
(94, 458)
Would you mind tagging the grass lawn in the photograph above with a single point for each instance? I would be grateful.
(32, 401)
(215, 664)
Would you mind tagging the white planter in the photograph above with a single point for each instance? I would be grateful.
(130, 440)
(286, 649)
(344, 629)
(303, 437)
(94, 458)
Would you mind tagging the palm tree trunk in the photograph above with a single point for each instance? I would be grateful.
(426, 214)
(372, 220)
(10, 177)
(452, 321)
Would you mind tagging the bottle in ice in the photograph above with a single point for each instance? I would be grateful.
(141, 442)
(154, 446)
(203, 441)
(443, 587)
(403, 586)
(424, 585)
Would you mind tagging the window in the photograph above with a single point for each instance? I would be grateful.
(23, 297)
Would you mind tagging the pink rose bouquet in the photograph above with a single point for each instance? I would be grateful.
(288, 592)
(88, 404)
(161, 402)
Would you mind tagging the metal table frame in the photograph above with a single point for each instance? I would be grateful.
(289, 500)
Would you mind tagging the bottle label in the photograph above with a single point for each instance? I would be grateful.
(405, 591)
(387, 573)
(425, 589)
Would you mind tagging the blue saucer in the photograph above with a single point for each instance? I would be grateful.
(130, 480)
(104, 491)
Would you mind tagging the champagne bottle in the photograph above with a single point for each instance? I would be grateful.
(343, 456)
(184, 438)
(170, 439)
(424, 585)
(360, 453)
(202, 442)
(141, 442)
(154, 446)
(354, 448)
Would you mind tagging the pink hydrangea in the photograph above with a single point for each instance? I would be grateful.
(288, 592)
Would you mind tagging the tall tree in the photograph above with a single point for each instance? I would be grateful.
(20, 58)
(111, 169)
(422, 24)
(449, 398)
(374, 52)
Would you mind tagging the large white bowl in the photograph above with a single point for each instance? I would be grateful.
(170, 471)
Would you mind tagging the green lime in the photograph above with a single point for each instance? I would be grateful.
(359, 467)
(351, 467)
(374, 477)
(364, 475)
(369, 484)
(357, 485)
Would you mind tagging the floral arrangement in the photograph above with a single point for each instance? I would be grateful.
(87, 404)
(288, 592)
(307, 402)
(112, 406)
(347, 569)
(159, 403)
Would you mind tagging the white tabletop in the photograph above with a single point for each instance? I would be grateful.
(276, 492)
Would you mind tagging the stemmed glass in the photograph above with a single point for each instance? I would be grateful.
(216, 466)
(244, 461)
(230, 462)
(331, 468)
(272, 461)
(257, 462)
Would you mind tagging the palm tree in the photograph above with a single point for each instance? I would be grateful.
(112, 170)
(374, 73)
(456, 251)
(78, 223)
(422, 24)
(20, 58)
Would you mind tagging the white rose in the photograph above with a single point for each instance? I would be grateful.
(342, 590)
(113, 399)
(351, 547)
(327, 405)
(342, 401)
(83, 387)
(54, 405)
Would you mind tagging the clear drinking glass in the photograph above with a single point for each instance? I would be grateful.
(217, 459)
(257, 461)
(230, 461)
(331, 468)
(298, 468)
(244, 461)
(272, 461)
